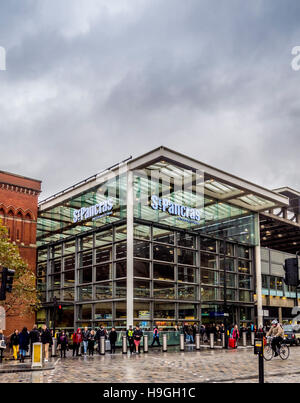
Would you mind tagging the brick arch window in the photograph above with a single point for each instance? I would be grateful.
(19, 226)
(28, 228)
(10, 224)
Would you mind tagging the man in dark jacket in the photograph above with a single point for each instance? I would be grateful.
(113, 338)
(23, 343)
(85, 339)
(34, 336)
(101, 332)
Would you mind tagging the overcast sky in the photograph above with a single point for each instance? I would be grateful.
(89, 83)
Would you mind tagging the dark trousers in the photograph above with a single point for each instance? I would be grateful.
(76, 347)
(276, 343)
(1, 354)
(112, 347)
(155, 339)
(63, 352)
(131, 344)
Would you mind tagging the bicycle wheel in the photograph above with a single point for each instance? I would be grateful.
(268, 353)
(284, 352)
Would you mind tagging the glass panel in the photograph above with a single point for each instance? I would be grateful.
(103, 291)
(164, 311)
(104, 272)
(245, 296)
(161, 252)
(209, 277)
(187, 240)
(42, 254)
(163, 272)
(85, 293)
(209, 293)
(103, 254)
(121, 310)
(69, 278)
(141, 231)
(103, 310)
(56, 251)
(231, 294)
(163, 290)
(230, 279)
(56, 266)
(85, 312)
(209, 245)
(141, 269)
(244, 266)
(141, 289)
(141, 249)
(86, 242)
(187, 311)
(69, 294)
(186, 256)
(188, 292)
(120, 233)
(229, 251)
(85, 259)
(55, 281)
(121, 269)
(42, 269)
(141, 310)
(85, 275)
(121, 250)
(121, 289)
(208, 260)
(229, 264)
(69, 247)
(103, 238)
(69, 263)
(186, 274)
(243, 252)
(244, 282)
(163, 235)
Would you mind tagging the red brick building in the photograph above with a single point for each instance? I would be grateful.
(18, 212)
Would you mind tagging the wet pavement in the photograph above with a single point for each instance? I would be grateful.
(208, 366)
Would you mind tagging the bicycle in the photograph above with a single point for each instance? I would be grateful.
(283, 351)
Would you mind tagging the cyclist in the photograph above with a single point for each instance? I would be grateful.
(277, 333)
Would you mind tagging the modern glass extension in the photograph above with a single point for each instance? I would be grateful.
(148, 242)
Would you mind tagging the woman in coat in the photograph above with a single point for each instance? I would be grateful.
(63, 342)
(77, 340)
(14, 341)
(23, 343)
(235, 335)
(2, 348)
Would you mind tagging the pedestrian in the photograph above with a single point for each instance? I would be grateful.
(91, 342)
(23, 343)
(130, 339)
(85, 339)
(47, 341)
(195, 330)
(137, 336)
(14, 341)
(113, 338)
(77, 340)
(2, 344)
(34, 337)
(235, 335)
(155, 337)
(63, 343)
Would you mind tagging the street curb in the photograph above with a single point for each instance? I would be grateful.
(24, 369)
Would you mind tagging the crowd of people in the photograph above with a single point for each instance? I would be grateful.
(85, 341)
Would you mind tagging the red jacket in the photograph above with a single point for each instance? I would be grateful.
(77, 337)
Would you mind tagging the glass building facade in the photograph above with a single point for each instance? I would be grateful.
(149, 242)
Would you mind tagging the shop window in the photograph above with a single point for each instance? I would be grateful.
(121, 310)
(103, 310)
(244, 266)
(187, 311)
(209, 277)
(164, 311)
(141, 310)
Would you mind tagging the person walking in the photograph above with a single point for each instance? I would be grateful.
(113, 336)
(47, 341)
(137, 336)
(130, 339)
(63, 343)
(2, 344)
(77, 340)
(14, 341)
(23, 343)
(91, 342)
(85, 339)
(155, 337)
(235, 335)
(34, 337)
